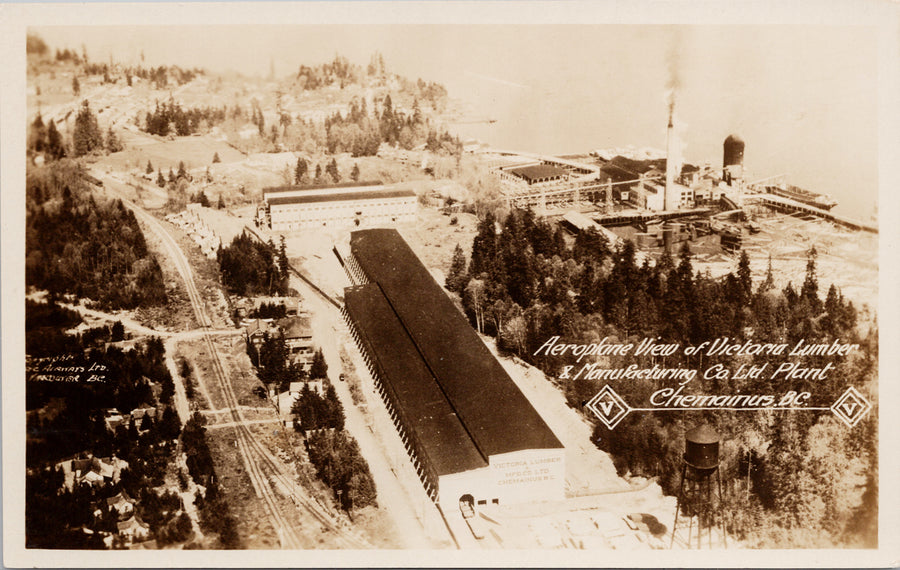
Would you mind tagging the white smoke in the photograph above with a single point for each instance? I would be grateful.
(673, 85)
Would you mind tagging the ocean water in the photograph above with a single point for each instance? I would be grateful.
(805, 105)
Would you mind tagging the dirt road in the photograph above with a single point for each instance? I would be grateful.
(403, 498)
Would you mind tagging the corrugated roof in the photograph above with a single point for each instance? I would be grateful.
(538, 172)
(492, 408)
(367, 195)
(419, 399)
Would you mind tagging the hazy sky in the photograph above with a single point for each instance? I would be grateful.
(803, 98)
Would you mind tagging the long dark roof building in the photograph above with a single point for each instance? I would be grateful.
(439, 433)
(383, 194)
(454, 399)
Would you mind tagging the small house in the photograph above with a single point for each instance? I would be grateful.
(122, 504)
(298, 339)
(133, 529)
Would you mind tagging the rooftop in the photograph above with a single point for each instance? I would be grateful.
(538, 172)
(259, 326)
(295, 327)
(496, 415)
(342, 196)
(424, 408)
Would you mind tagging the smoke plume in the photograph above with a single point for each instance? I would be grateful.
(673, 63)
(673, 86)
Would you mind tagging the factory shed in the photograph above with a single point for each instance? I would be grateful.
(538, 173)
(346, 196)
(452, 348)
(423, 350)
(288, 208)
(437, 433)
(294, 188)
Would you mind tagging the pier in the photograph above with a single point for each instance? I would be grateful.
(792, 206)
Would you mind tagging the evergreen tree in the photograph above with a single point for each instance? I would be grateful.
(810, 289)
(354, 173)
(76, 87)
(745, 276)
(149, 167)
(249, 267)
(113, 144)
(221, 204)
(769, 283)
(171, 175)
(301, 176)
(387, 114)
(216, 158)
(261, 123)
(417, 112)
(456, 278)
(117, 332)
(86, 136)
(334, 407)
(55, 146)
(318, 368)
(318, 173)
(182, 172)
(37, 138)
(169, 427)
(160, 179)
(283, 262)
(332, 170)
(484, 246)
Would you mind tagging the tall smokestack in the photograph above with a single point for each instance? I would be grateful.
(669, 195)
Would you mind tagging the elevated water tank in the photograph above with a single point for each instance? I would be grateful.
(701, 447)
(734, 151)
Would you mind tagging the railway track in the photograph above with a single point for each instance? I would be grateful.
(261, 465)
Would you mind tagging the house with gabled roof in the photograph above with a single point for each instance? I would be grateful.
(133, 529)
(122, 503)
(95, 471)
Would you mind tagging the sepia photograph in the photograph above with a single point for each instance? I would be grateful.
(528, 288)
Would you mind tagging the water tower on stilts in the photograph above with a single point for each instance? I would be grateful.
(697, 496)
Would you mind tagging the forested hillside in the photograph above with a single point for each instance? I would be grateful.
(93, 248)
(796, 476)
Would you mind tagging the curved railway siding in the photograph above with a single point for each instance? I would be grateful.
(261, 465)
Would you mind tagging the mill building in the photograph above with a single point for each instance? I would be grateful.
(470, 432)
(351, 204)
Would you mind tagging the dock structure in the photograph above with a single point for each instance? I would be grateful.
(784, 204)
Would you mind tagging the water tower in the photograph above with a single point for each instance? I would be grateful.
(696, 496)
(733, 159)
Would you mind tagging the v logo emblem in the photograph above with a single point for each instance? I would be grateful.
(608, 407)
(849, 408)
